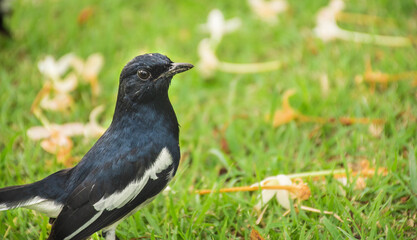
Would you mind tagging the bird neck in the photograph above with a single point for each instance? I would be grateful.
(154, 115)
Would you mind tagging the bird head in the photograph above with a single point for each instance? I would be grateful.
(147, 77)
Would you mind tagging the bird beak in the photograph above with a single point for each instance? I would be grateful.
(174, 69)
(179, 68)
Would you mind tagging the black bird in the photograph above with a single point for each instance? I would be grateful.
(127, 167)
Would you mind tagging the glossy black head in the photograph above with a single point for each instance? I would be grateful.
(147, 77)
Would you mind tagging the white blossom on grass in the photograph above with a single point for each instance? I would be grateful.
(209, 63)
(55, 69)
(282, 196)
(268, 10)
(328, 30)
(217, 26)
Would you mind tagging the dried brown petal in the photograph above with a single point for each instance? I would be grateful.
(85, 15)
(255, 235)
(286, 113)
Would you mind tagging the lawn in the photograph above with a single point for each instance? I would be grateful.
(226, 138)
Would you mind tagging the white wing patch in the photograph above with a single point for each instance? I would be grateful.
(119, 199)
(48, 207)
(163, 161)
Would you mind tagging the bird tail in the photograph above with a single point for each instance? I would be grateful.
(49, 188)
(18, 196)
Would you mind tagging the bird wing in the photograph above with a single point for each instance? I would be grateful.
(112, 191)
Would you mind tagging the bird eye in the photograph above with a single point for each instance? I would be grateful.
(143, 74)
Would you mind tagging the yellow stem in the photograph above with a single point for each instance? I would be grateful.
(38, 113)
(47, 87)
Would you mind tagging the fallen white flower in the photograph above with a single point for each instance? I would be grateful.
(268, 10)
(327, 29)
(282, 196)
(90, 129)
(209, 62)
(217, 26)
(55, 69)
(68, 84)
(90, 69)
(59, 102)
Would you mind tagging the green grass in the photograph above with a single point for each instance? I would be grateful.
(121, 30)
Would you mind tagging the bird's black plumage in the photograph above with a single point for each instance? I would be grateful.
(127, 167)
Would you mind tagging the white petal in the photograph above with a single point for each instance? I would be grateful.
(326, 26)
(217, 26)
(64, 63)
(47, 67)
(268, 10)
(78, 64)
(283, 196)
(267, 195)
(60, 102)
(262, 183)
(208, 60)
(70, 129)
(55, 69)
(66, 85)
(93, 66)
(38, 132)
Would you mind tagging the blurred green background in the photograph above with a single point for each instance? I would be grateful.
(235, 103)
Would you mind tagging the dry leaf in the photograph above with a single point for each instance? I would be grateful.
(219, 134)
(377, 77)
(255, 235)
(85, 15)
(286, 114)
